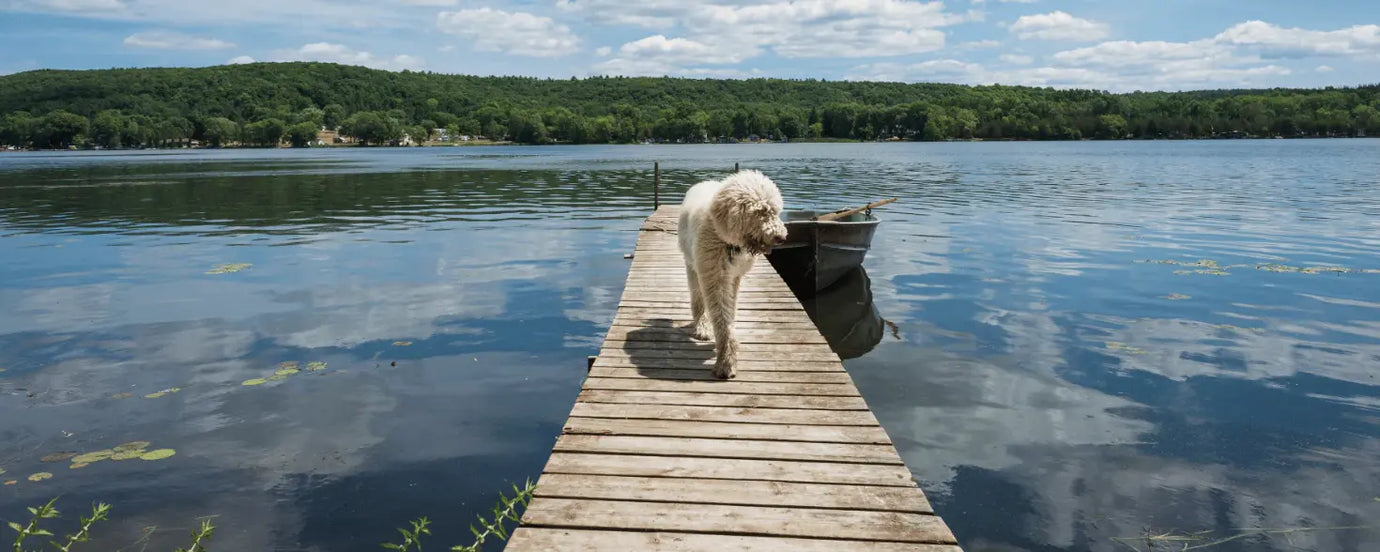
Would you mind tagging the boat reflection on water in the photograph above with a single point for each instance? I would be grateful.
(843, 311)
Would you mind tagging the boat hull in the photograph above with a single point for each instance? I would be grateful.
(817, 254)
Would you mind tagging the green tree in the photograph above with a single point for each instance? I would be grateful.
(16, 129)
(107, 128)
(418, 133)
(313, 115)
(496, 131)
(59, 129)
(372, 128)
(267, 133)
(1111, 126)
(217, 131)
(302, 134)
(332, 115)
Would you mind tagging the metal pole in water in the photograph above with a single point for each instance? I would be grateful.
(656, 185)
(735, 167)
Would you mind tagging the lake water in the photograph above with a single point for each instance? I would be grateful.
(1049, 388)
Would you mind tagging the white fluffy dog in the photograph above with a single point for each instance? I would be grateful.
(724, 225)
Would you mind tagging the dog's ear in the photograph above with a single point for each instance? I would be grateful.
(726, 213)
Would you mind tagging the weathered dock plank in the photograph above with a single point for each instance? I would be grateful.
(659, 455)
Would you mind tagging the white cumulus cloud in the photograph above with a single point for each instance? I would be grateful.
(1057, 25)
(1016, 59)
(517, 33)
(340, 53)
(1324, 69)
(164, 40)
(240, 60)
(717, 32)
(1276, 41)
(76, 6)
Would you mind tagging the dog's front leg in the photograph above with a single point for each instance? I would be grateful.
(721, 300)
(699, 325)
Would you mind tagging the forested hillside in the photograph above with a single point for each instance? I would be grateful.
(265, 103)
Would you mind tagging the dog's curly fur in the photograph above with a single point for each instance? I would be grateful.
(724, 225)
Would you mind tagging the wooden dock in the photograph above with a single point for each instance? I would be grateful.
(658, 455)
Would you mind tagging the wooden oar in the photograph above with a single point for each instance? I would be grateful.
(845, 213)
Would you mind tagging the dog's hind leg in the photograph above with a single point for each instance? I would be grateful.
(699, 325)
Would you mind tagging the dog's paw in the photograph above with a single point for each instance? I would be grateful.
(701, 332)
(724, 370)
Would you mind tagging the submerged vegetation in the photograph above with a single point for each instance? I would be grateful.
(270, 104)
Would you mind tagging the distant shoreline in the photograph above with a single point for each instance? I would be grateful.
(740, 143)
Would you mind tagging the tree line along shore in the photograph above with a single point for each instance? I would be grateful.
(317, 104)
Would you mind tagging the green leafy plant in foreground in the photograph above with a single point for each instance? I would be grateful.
(507, 509)
(99, 512)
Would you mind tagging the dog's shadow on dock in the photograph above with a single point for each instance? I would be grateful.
(663, 349)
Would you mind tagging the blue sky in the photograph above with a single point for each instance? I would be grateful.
(1118, 45)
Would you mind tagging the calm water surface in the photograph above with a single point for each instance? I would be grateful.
(1049, 388)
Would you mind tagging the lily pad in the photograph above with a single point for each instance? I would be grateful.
(228, 268)
(286, 372)
(401, 343)
(157, 454)
(40, 476)
(132, 445)
(11, 482)
(162, 393)
(127, 455)
(255, 381)
(316, 365)
(276, 377)
(122, 395)
(95, 456)
(2, 471)
(78, 465)
(57, 457)
(287, 364)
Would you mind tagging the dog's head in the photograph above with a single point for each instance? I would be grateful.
(747, 212)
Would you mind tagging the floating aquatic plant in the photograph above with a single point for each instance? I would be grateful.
(132, 445)
(1129, 349)
(401, 343)
(316, 365)
(11, 482)
(1177, 297)
(78, 465)
(287, 364)
(93, 457)
(286, 372)
(122, 395)
(57, 457)
(255, 381)
(157, 454)
(276, 377)
(228, 268)
(40, 476)
(1209, 266)
(162, 393)
(122, 455)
